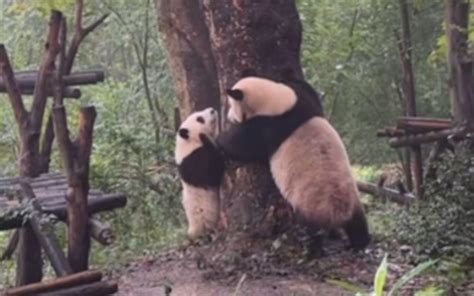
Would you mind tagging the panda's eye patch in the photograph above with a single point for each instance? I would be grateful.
(200, 119)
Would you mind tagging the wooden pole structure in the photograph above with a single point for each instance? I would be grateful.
(405, 47)
(29, 265)
(44, 233)
(95, 205)
(42, 155)
(76, 156)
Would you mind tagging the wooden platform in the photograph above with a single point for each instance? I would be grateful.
(51, 192)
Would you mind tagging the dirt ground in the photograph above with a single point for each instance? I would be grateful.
(265, 269)
(183, 278)
(256, 270)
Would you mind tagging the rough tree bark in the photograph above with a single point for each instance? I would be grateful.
(266, 36)
(460, 62)
(186, 39)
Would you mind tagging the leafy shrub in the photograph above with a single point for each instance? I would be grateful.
(443, 223)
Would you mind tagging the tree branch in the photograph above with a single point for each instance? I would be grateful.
(95, 24)
(86, 131)
(79, 35)
(6, 71)
(64, 143)
(46, 68)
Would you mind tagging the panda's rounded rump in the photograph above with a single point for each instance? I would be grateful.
(312, 170)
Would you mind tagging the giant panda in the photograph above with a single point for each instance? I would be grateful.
(201, 168)
(283, 123)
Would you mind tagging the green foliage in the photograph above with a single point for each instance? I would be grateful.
(351, 55)
(127, 156)
(439, 55)
(442, 225)
(43, 7)
(381, 277)
(366, 173)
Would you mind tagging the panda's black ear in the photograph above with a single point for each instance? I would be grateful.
(235, 94)
(249, 72)
(184, 133)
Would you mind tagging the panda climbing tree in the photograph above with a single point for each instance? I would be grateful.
(210, 44)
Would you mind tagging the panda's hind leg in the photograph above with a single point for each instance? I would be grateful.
(311, 237)
(357, 229)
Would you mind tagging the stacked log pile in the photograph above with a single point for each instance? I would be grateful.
(411, 131)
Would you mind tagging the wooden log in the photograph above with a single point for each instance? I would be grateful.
(93, 289)
(68, 281)
(390, 132)
(44, 233)
(388, 193)
(96, 205)
(427, 138)
(415, 119)
(69, 92)
(37, 182)
(41, 177)
(101, 232)
(419, 126)
(27, 83)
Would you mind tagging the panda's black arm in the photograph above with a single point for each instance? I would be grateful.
(243, 142)
(204, 167)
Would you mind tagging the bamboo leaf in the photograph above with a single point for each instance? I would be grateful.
(410, 275)
(381, 277)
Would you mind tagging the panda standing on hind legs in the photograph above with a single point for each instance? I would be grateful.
(201, 168)
(283, 123)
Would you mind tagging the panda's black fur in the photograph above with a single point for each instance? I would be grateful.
(264, 134)
(258, 138)
(204, 167)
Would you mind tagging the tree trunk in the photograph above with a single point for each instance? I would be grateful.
(207, 53)
(409, 93)
(186, 39)
(460, 62)
(265, 36)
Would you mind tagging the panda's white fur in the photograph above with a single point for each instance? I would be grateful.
(313, 172)
(308, 160)
(184, 147)
(200, 167)
(261, 89)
